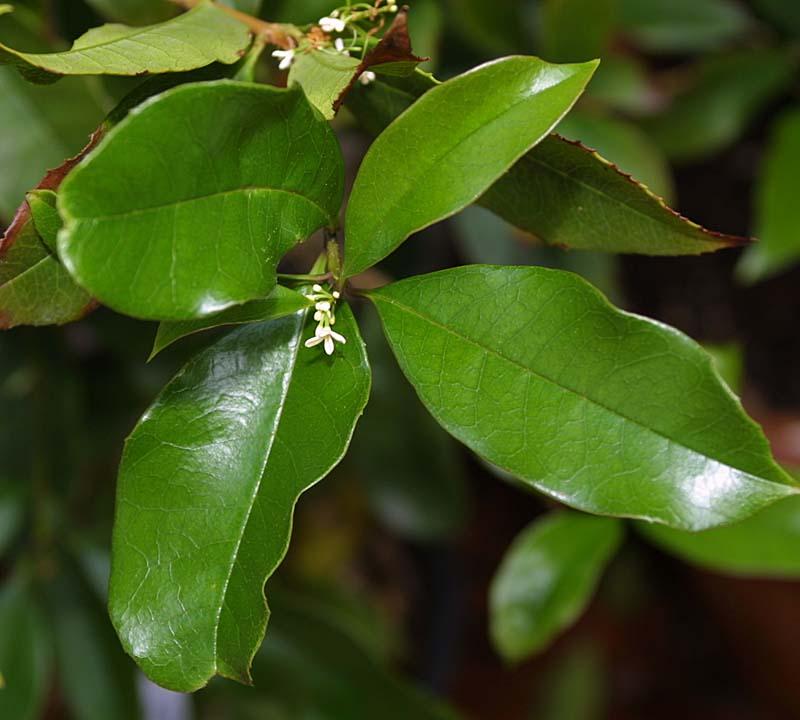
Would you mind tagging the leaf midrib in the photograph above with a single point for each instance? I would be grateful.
(531, 157)
(136, 33)
(555, 383)
(186, 201)
(401, 201)
(288, 376)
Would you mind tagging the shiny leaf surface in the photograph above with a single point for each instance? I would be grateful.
(451, 145)
(208, 482)
(547, 578)
(195, 39)
(523, 364)
(541, 192)
(281, 302)
(194, 221)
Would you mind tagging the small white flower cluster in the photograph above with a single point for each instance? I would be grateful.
(324, 305)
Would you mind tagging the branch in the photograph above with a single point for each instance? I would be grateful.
(271, 33)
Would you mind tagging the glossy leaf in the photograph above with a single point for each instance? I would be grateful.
(208, 482)
(24, 653)
(539, 375)
(719, 101)
(547, 578)
(96, 677)
(202, 36)
(451, 145)
(280, 303)
(765, 545)
(682, 26)
(778, 212)
(567, 195)
(558, 174)
(221, 185)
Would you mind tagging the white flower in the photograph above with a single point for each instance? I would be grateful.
(326, 337)
(286, 56)
(367, 77)
(324, 306)
(332, 24)
(339, 45)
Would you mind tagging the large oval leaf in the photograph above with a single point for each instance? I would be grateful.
(450, 146)
(765, 545)
(195, 39)
(606, 411)
(207, 486)
(186, 206)
(547, 579)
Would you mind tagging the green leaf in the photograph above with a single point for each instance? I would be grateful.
(561, 174)
(538, 374)
(409, 466)
(567, 195)
(547, 578)
(327, 75)
(778, 213)
(719, 102)
(280, 303)
(226, 178)
(324, 75)
(96, 678)
(35, 288)
(202, 36)
(451, 145)
(623, 144)
(764, 545)
(575, 30)
(208, 482)
(682, 26)
(46, 219)
(309, 667)
(24, 653)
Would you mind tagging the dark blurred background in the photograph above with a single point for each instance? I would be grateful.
(385, 586)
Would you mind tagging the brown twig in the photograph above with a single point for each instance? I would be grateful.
(271, 33)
